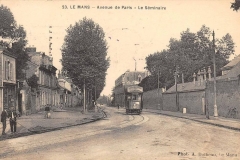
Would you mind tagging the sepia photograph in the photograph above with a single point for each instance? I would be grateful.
(120, 80)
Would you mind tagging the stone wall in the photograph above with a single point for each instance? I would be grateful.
(150, 99)
(228, 98)
(193, 102)
(169, 102)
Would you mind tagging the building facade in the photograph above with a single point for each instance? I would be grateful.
(46, 92)
(70, 94)
(8, 79)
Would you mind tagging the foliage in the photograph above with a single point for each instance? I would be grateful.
(84, 55)
(192, 52)
(150, 83)
(29, 101)
(32, 81)
(104, 100)
(235, 5)
(15, 35)
(113, 96)
(8, 23)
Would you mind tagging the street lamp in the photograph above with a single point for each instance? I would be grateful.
(214, 70)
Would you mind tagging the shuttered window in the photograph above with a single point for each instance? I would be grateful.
(10, 71)
(6, 70)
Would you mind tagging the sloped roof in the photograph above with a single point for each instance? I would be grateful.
(6, 52)
(186, 87)
(232, 63)
(234, 72)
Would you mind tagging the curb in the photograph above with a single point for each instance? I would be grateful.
(213, 124)
(23, 134)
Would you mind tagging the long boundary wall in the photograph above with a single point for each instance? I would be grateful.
(228, 98)
(152, 100)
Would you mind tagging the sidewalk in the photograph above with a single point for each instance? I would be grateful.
(36, 123)
(228, 123)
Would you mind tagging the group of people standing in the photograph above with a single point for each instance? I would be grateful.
(12, 115)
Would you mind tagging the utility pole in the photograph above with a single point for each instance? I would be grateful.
(175, 76)
(158, 89)
(95, 95)
(214, 70)
(84, 96)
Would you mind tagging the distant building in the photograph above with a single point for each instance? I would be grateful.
(232, 69)
(127, 79)
(70, 95)
(7, 79)
(35, 99)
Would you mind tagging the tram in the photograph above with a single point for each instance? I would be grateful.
(134, 100)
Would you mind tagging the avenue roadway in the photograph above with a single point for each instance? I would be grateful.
(131, 137)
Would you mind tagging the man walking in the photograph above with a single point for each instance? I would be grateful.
(13, 120)
(3, 120)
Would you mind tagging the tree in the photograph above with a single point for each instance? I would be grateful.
(191, 52)
(7, 22)
(33, 81)
(84, 55)
(13, 34)
(235, 5)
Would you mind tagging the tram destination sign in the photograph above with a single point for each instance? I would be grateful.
(132, 89)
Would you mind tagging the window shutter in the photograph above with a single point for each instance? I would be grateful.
(7, 70)
(6, 66)
(11, 71)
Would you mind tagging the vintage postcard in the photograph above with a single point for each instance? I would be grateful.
(116, 80)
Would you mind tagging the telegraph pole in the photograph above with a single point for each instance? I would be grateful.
(84, 97)
(158, 89)
(175, 76)
(214, 70)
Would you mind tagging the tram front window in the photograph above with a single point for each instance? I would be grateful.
(135, 97)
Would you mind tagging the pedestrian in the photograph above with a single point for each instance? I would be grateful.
(61, 106)
(118, 106)
(3, 120)
(13, 120)
(47, 111)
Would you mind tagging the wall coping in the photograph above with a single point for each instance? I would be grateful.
(196, 90)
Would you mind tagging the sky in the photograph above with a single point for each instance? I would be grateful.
(130, 33)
